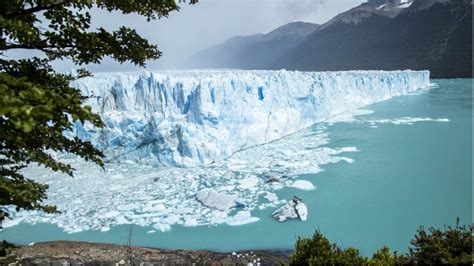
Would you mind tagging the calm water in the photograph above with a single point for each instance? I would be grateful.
(404, 176)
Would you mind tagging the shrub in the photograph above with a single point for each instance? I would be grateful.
(450, 245)
(318, 250)
(453, 245)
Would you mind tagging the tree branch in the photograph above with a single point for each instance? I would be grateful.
(35, 47)
(31, 10)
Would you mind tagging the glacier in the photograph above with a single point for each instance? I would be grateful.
(192, 118)
(255, 126)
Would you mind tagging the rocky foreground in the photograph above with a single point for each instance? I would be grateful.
(84, 253)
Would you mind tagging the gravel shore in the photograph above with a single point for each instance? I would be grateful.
(85, 253)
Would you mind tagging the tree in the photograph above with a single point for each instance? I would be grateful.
(319, 251)
(37, 105)
(452, 246)
(434, 246)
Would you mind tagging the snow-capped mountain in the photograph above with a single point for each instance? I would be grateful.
(192, 118)
(429, 34)
(378, 34)
(386, 8)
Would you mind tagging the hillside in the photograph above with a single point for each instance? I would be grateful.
(255, 51)
(434, 35)
(379, 34)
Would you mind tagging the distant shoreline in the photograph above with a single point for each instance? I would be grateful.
(78, 252)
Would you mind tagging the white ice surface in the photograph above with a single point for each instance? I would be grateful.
(352, 117)
(191, 118)
(302, 184)
(216, 200)
(271, 197)
(291, 210)
(241, 218)
(206, 119)
(162, 197)
(405, 120)
(302, 211)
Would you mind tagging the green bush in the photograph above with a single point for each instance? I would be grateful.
(318, 250)
(383, 256)
(450, 245)
(453, 246)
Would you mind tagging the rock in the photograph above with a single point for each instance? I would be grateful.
(60, 252)
(216, 200)
(291, 210)
(61, 262)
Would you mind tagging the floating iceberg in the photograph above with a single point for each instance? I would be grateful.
(241, 218)
(292, 210)
(216, 200)
(302, 184)
(161, 197)
(190, 118)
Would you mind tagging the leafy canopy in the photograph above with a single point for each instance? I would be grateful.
(37, 105)
(451, 245)
(447, 246)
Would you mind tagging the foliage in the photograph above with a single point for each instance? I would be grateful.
(6, 248)
(37, 105)
(453, 245)
(382, 256)
(433, 247)
(318, 251)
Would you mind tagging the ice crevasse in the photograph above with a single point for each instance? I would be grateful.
(190, 118)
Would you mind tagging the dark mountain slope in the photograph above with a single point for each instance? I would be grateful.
(255, 51)
(430, 34)
(378, 34)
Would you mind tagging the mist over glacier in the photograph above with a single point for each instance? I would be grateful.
(191, 118)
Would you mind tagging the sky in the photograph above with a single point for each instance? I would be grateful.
(208, 23)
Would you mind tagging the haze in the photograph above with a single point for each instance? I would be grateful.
(208, 23)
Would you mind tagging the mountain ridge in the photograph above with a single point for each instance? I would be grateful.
(378, 34)
(252, 51)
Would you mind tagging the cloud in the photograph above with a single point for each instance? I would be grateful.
(211, 22)
(299, 10)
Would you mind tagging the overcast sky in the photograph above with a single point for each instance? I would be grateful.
(210, 22)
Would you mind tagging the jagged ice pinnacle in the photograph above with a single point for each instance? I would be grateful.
(190, 118)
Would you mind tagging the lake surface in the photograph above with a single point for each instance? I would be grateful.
(413, 167)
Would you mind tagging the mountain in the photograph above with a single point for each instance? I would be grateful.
(255, 51)
(384, 8)
(434, 35)
(379, 34)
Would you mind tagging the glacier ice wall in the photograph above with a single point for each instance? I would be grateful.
(189, 118)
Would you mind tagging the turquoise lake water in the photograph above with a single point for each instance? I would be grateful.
(402, 177)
